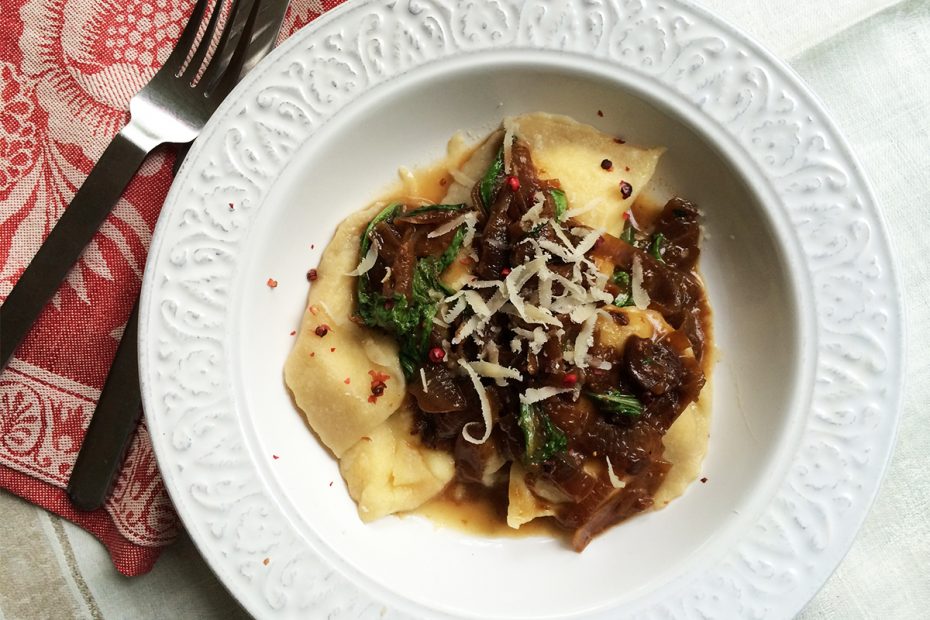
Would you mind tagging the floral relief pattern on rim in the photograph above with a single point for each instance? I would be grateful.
(779, 562)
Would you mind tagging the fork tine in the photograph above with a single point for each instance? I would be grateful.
(222, 55)
(176, 59)
(230, 75)
(193, 67)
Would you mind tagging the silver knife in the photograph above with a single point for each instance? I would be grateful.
(118, 408)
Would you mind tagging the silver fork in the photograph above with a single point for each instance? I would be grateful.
(172, 108)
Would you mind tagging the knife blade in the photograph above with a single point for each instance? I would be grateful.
(117, 412)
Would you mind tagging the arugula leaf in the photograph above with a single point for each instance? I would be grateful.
(655, 248)
(543, 438)
(615, 401)
(387, 213)
(410, 321)
(561, 203)
(628, 233)
(625, 297)
(429, 208)
(491, 181)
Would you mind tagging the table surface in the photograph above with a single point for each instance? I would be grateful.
(869, 62)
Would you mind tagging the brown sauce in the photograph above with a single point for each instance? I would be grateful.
(470, 507)
(481, 511)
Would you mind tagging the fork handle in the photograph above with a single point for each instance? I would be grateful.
(90, 206)
(111, 426)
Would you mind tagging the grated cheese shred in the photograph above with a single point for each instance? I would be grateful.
(368, 261)
(485, 406)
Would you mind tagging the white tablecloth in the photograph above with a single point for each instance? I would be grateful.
(869, 61)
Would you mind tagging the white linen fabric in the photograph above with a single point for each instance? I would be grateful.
(869, 62)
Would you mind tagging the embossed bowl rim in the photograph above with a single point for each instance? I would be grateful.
(729, 588)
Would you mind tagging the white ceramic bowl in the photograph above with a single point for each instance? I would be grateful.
(797, 267)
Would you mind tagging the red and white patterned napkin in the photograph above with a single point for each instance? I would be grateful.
(67, 71)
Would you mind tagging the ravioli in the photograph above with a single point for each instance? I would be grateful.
(336, 361)
(328, 374)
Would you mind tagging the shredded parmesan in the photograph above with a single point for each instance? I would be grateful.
(534, 395)
(423, 379)
(587, 243)
(592, 204)
(471, 220)
(485, 284)
(477, 303)
(447, 227)
(510, 131)
(585, 341)
(581, 313)
(492, 370)
(455, 311)
(533, 216)
(368, 262)
(387, 275)
(615, 482)
(639, 294)
(485, 406)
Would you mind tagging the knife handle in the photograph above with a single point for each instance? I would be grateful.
(75, 229)
(111, 426)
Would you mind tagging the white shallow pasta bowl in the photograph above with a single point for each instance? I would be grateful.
(797, 265)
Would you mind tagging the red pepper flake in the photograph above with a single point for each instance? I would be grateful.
(378, 385)
(627, 168)
(436, 355)
(330, 483)
(332, 350)
(312, 353)
(378, 376)
(347, 381)
(275, 456)
(704, 480)
(626, 215)
(265, 561)
(626, 190)
(312, 275)
(513, 183)
(570, 379)
(231, 206)
(293, 332)
(312, 245)
(321, 330)
(607, 165)
(600, 113)
(505, 272)
(619, 140)
(272, 283)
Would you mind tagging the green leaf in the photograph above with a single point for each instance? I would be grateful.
(410, 321)
(561, 203)
(491, 181)
(429, 208)
(387, 213)
(543, 438)
(625, 296)
(655, 248)
(628, 233)
(615, 401)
